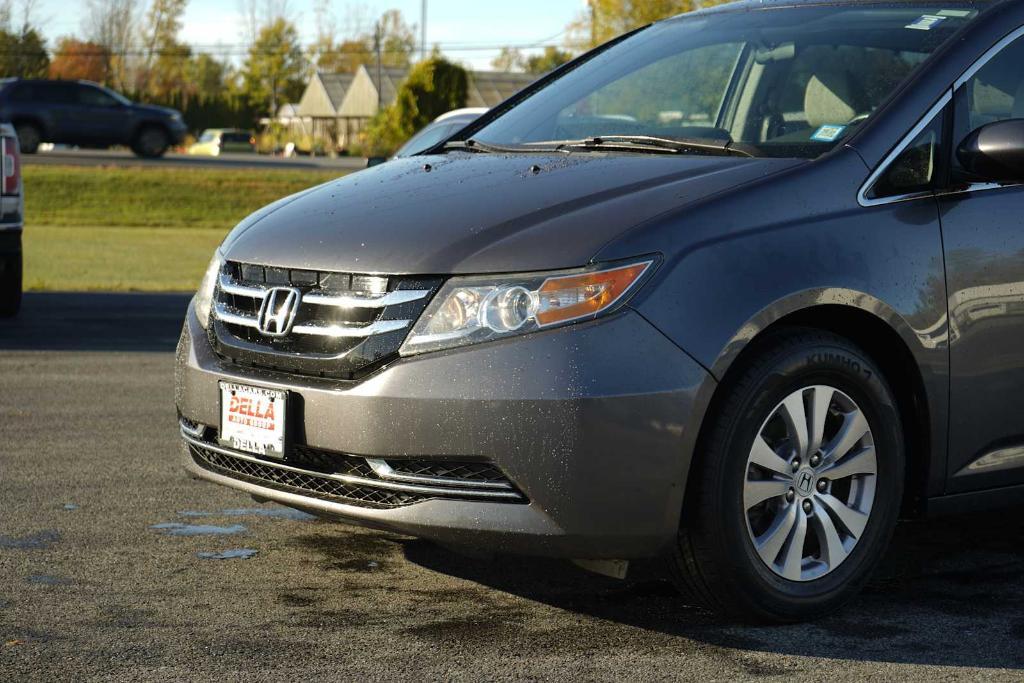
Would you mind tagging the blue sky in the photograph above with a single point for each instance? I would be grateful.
(459, 24)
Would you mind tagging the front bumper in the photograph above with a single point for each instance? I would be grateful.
(594, 423)
(178, 131)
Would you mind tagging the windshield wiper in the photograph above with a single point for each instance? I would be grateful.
(653, 143)
(473, 145)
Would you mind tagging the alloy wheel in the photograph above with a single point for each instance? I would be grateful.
(152, 142)
(810, 483)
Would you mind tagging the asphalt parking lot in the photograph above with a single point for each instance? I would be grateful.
(109, 569)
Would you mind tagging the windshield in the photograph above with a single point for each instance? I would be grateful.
(790, 82)
(117, 96)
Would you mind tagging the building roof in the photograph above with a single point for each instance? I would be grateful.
(336, 86)
(391, 79)
(324, 94)
(367, 91)
(491, 88)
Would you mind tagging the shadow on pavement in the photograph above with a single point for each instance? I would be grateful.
(950, 593)
(95, 322)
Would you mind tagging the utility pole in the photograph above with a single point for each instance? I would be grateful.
(378, 39)
(423, 31)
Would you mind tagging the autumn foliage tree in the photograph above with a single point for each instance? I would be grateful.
(397, 38)
(23, 54)
(275, 68)
(206, 76)
(76, 59)
(397, 44)
(606, 19)
(112, 24)
(509, 59)
(548, 60)
(166, 59)
(434, 87)
(512, 59)
(341, 57)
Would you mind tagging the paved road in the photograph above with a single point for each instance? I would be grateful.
(127, 159)
(91, 589)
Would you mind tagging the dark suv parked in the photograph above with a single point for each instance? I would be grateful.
(737, 289)
(86, 114)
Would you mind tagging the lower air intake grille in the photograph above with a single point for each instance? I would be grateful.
(353, 480)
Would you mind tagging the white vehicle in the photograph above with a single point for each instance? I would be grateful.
(435, 132)
(12, 211)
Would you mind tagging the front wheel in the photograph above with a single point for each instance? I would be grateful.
(798, 484)
(151, 143)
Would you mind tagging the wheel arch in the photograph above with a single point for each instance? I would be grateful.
(890, 342)
(32, 120)
(149, 123)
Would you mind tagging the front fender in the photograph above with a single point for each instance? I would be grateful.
(932, 337)
(741, 262)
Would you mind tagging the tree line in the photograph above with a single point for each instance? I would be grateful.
(137, 50)
(135, 47)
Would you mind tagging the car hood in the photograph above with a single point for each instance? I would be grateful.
(481, 213)
(153, 110)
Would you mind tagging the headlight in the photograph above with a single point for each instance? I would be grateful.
(204, 297)
(469, 310)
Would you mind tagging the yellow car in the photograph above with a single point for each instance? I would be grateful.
(216, 141)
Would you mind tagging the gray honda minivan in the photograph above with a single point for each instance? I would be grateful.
(739, 289)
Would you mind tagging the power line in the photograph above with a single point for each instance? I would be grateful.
(188, 51)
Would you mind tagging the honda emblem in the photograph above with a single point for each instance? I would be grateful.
(277, 314)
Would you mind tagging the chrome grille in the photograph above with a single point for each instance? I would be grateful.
(343, 325)
(354, 480)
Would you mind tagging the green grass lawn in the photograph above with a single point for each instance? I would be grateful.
(138, 229)
(156, 197)
(140, 259)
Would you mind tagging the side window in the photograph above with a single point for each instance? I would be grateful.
(94, 97)
(916, 168)
(995, 93)
(54, 92)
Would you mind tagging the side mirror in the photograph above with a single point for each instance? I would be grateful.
(995, 152)
(375, 161)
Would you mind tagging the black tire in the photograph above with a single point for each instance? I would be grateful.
(10, 286)
(151, 142)
(715, 559)
(29, 137)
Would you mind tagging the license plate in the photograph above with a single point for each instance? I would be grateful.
(253, 419)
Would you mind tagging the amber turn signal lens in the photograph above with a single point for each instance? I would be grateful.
(576, 296)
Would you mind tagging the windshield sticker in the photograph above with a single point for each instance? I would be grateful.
(958, 13)
(828, 133)
(926, 22)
